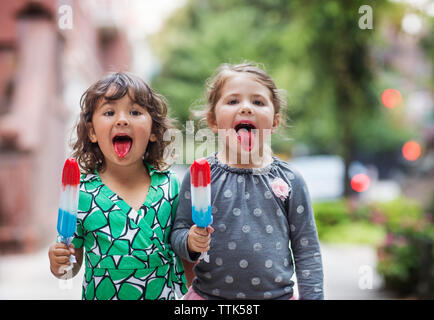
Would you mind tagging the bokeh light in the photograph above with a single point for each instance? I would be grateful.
(411, 23)
(411, 150)
(360, 182)
(391, 98)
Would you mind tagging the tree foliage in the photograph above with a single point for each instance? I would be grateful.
(314, 50)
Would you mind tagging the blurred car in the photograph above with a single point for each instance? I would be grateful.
(324, 175)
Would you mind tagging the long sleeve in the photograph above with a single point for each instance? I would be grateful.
(304, 241)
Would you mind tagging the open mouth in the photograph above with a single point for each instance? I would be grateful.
(122, 144)
(245, 134)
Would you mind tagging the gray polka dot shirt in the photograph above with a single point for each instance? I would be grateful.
(259, 238)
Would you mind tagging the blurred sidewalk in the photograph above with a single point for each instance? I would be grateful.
(28, 277)
(345, 268)
(349, 273)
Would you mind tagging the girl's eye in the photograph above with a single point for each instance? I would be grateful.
(233, 101)
(258, 103)
(109, 113)
(135, 113)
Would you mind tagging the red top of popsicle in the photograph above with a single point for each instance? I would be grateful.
(200, 173)
(71, 173)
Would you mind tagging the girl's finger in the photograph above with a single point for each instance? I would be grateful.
(200, 245)
(202, 238)
(60, 245)
(62, 260)
(71, 248)
(201, 231)
(61, 252)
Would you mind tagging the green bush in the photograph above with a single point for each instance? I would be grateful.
(331, 213)
(400, 230)
(405, 260)
(398, 213)
(353, 232)
(345, 221)
(406, 256)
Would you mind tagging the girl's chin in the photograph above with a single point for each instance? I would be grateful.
(127, 159)
(240, 155)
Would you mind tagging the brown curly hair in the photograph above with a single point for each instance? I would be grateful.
(87, 153)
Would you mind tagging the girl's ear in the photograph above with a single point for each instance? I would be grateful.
(152, 137)
(276, 122)
(91, 132)
(212, 123)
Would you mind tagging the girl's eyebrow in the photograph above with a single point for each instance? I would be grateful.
(231, 94)
(239, 94)
(113, 102)
(257, 95)
(106, 102)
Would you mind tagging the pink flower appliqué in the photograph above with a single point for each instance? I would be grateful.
(280, 188)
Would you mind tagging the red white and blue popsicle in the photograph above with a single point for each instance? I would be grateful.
(67, 216)
(200, 174)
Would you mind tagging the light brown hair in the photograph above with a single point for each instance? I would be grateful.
(225, 71)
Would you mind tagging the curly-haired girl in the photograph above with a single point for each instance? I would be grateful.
(127, 196)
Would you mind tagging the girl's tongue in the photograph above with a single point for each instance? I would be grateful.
(122, 146)
(246, 138)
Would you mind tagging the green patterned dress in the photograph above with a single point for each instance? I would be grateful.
(128, 253)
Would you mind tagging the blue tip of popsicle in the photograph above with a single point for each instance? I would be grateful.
(66, 224)
(202, 218)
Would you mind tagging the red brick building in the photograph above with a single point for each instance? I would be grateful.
(39, 53)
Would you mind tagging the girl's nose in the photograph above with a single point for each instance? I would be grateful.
(246, 109)
(122, 121)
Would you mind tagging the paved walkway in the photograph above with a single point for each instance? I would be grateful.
(28, 277)
(349, 273)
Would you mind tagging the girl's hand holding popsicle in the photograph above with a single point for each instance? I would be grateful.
(199, 236)
(199, 239)
(59, 255)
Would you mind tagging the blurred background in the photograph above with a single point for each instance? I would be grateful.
(360, 119)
